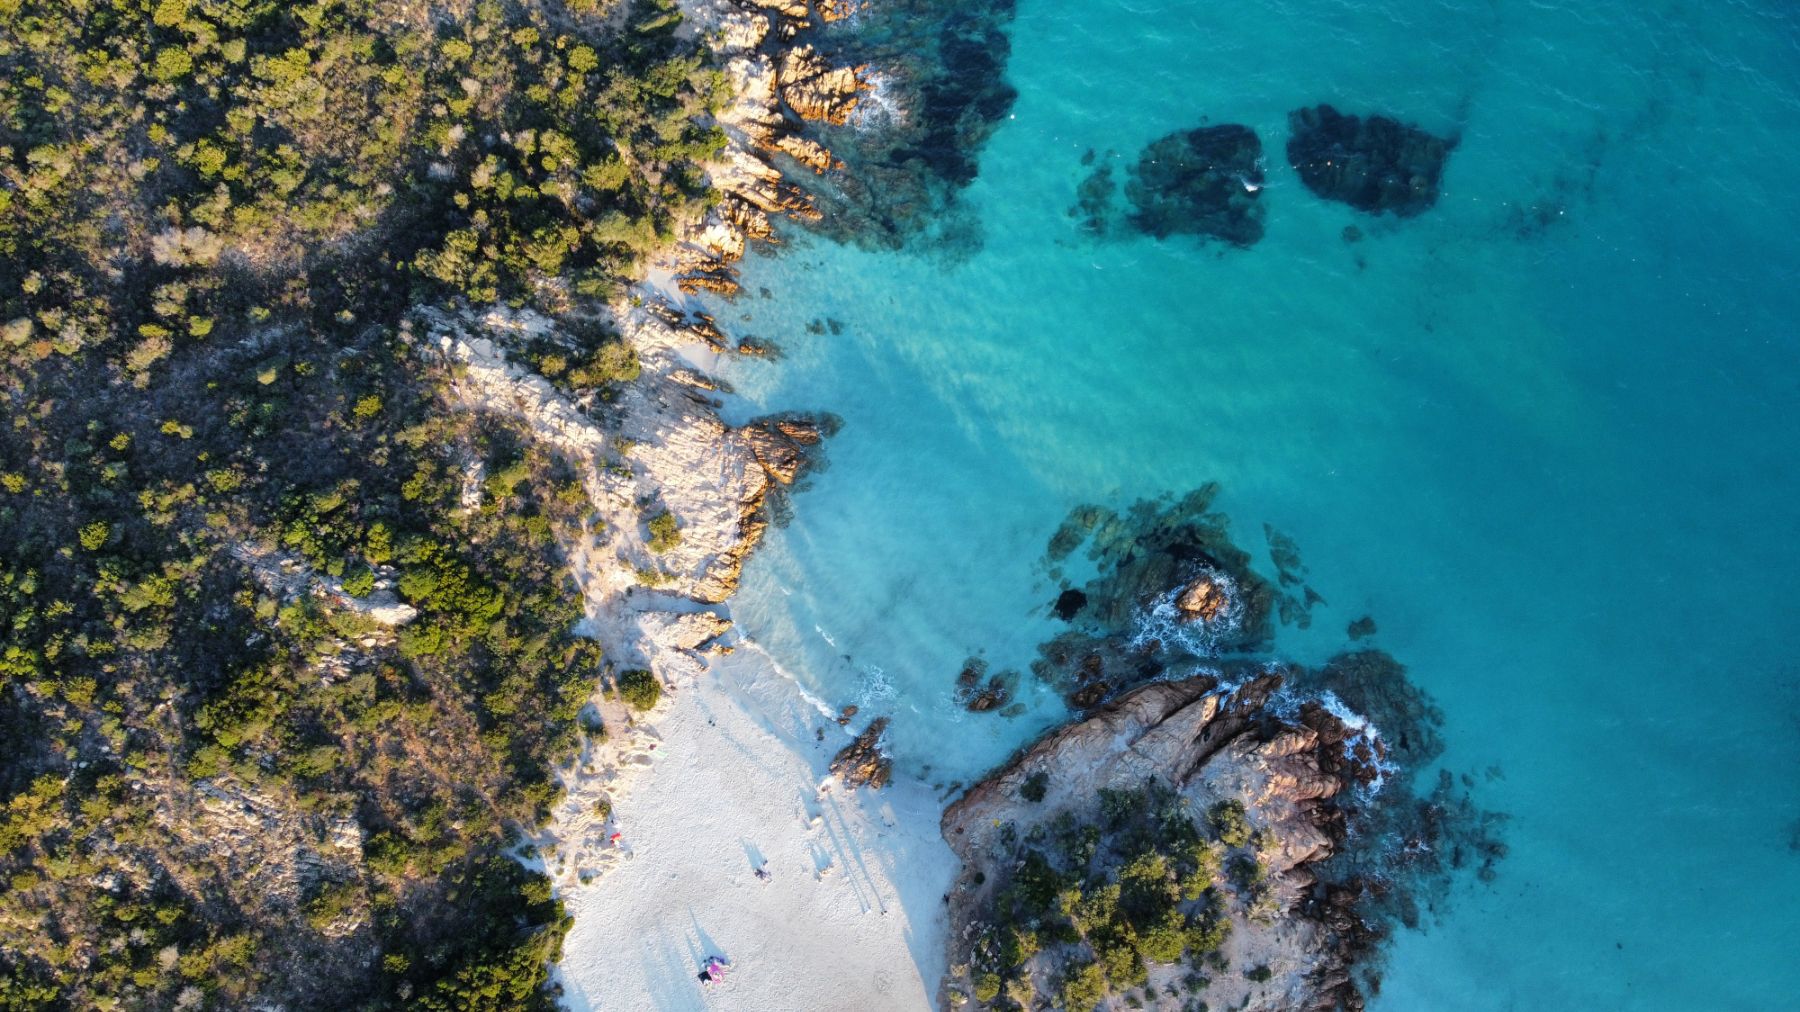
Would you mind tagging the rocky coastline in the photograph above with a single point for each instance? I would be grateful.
(1275, 912)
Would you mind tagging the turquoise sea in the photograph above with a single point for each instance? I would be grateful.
(1544, 433)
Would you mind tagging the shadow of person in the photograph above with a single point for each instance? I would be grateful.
(753, 854)
(708, 947)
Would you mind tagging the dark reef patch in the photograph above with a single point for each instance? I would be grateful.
(941, 91)
(959, 105)
(1069, 604)
(1094, 197)
(1204, 181)
(1373, 163)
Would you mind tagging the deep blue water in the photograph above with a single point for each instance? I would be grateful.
(1543, 433)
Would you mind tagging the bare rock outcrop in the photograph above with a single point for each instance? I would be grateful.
(787, 445)
(862, 763)
(816, 90)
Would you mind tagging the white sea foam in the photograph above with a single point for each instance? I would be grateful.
(1366, 733)
(877, 108)
(1164, 621)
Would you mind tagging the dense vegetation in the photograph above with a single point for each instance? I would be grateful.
(226, 776)
(1109, 893)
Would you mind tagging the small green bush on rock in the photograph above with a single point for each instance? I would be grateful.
(1035, 786)
(664, 534)
(1230, 822)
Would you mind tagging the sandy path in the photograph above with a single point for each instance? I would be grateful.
(852, 917)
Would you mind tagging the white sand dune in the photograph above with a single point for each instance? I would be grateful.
(852, 916)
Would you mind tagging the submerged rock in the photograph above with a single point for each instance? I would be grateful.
(1205, 181)
(1372, 163)
(1094, 197)
(1069, 604)
(934, 91)
(979, 698)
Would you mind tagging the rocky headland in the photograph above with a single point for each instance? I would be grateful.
(1218, 828)
(1166, 847)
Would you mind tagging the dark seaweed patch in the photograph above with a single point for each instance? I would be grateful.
(1206, 181)
(964, 99)
(1093, 198)
(943, 77)
(1069, 604)
(1373, 163)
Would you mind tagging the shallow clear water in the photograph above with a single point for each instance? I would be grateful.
(1543, 433)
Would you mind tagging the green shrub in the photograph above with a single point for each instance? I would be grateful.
(1035, 786)
(94, 535)
(360, 582)
(1083, 986)
(640, 690)
(664, 534)
(1230, 823)
(987, 987)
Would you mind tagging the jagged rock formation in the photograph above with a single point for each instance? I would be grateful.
(1204, 600)
(777, 82)
(862, 763)
(1210, 747)
(1373, 163)
(787, 445)
(977, 697)
(816, 90)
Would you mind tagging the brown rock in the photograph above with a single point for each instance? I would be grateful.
(794, 9)
(808, 152)
(720, 281)
(862, 763)
(817, 91)
(1204, 599)
(784, 445)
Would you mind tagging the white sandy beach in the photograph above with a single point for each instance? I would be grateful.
(852, 916)
(729, 770)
